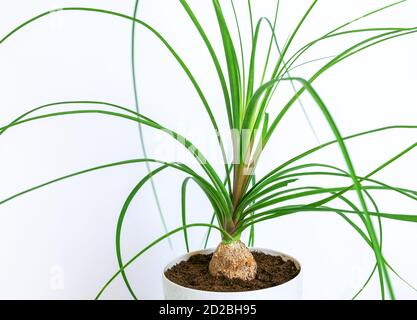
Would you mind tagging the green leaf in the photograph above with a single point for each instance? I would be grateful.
(232, 64)
(151, 245)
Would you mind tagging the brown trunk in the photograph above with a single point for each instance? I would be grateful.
(233, 261)
(242, 173)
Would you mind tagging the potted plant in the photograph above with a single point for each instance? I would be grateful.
(241, 200)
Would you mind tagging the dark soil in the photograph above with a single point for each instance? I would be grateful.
(272, 271)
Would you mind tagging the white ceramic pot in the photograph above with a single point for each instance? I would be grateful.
(291, 290)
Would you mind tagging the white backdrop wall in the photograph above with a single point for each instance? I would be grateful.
(58, 242)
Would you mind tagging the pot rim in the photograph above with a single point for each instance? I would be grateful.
(186, 256)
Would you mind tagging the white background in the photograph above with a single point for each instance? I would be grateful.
(58, 242)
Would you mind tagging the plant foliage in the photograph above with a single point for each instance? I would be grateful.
(239, 201)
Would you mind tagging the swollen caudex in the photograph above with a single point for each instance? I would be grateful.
(233, 261)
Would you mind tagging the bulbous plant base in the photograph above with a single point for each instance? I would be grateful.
(233, 261)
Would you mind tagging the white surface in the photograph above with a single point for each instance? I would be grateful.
(59, 242)
(291, 290)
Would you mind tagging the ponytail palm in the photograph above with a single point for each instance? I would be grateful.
(239, 201)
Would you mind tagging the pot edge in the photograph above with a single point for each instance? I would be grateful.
(221, 293)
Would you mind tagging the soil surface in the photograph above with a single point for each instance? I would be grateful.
(194, 273)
